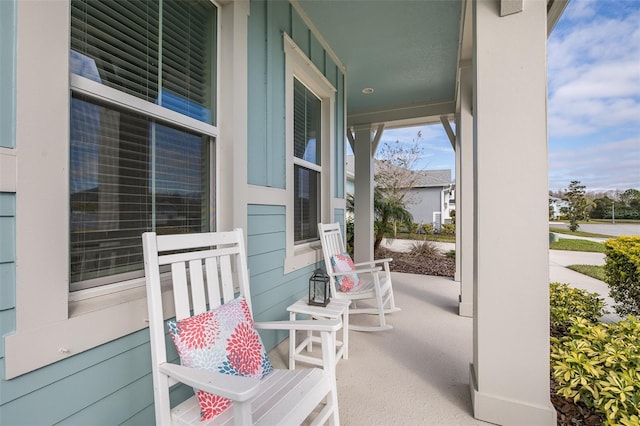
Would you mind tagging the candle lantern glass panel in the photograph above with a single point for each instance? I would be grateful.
(319, 288)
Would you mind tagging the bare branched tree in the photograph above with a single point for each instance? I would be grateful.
(396, 170)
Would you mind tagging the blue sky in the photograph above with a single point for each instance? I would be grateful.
(594, 100)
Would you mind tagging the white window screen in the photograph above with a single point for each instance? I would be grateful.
(129, 172)
(307, 120)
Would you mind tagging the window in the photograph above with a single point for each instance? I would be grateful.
(310, 117)
(307, 143)
(141, 128)
(51, 322)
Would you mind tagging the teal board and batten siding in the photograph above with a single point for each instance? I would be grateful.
(268, 21)
(7, 72)
(272, 290)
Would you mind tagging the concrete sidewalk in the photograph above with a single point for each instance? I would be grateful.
(558, 271)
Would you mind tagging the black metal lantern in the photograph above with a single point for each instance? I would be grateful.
(319, 288)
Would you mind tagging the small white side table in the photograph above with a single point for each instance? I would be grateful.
(336, 309)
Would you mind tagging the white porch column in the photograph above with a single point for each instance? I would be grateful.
(509, 377)
(464, 194)
(363, 208)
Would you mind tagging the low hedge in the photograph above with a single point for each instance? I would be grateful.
(599, 365)
(622, 273)
(567, 303)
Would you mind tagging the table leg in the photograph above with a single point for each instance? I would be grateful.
(292, 343)
(345, 333)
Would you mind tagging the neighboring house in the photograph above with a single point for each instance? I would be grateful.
(179, 116)
(432, 197)
(430, 200)
(556, 205)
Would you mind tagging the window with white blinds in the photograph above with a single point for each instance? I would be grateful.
(135, 165)
(307, 122)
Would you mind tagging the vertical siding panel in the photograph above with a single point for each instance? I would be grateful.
(278, 22)
(300, 33)
(317, 54)
(7, 72)
(340, 137)
(257, 94)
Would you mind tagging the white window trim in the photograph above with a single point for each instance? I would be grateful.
(49, 327)
(298, 65)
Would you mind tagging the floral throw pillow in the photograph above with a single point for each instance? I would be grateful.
(223, 340)
(343, 263)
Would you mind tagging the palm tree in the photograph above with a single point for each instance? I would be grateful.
(386, 211)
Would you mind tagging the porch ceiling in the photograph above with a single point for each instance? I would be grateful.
(406, 50)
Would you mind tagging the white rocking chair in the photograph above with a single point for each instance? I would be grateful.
(206, 270)
(376, 285)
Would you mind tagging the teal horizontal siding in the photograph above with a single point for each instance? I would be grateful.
(7, 266)
(106, 385)
(83, 389)
(338, 216)
(272, 291)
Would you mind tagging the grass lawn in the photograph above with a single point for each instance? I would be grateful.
(428, 237)
(593, 271)
(577, 245)
(577, 233)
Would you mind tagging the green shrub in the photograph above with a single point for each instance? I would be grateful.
(448, 229)
(622, 271)
(451, 254)
(350, 235)
(567, 303)
(599, 365)
(424, 249)
(415, 226)
(428, 228)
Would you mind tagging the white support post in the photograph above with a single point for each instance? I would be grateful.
(231, 147)
(509, 377)
(363, 209)
(465, 194)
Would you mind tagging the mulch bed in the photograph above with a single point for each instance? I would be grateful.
(569, 413)
(440, 266)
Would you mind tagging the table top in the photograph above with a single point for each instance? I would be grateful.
(334, 309)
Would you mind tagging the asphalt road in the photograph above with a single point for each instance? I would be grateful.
(613, 230)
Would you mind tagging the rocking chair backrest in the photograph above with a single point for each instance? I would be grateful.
(332, 244)
(202, 279)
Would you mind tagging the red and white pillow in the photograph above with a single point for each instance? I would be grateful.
(223, 340)
(343, 263)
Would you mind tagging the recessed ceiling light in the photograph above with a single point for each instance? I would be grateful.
(367, 90)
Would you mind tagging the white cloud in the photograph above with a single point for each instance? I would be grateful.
(580, 9)
(594, 69)
(604, 166)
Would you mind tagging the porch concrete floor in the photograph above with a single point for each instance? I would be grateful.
(415, 374)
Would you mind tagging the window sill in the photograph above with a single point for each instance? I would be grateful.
(303, 256)
(91, 322)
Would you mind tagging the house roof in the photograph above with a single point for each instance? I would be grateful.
(424, 178)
